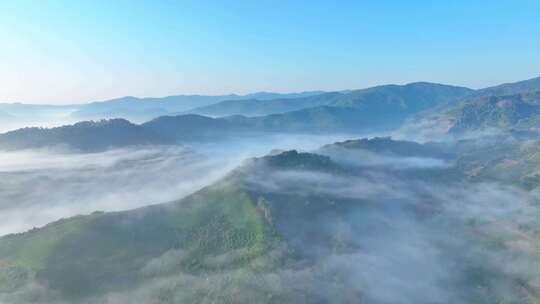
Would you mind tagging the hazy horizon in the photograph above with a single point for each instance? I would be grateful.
(52, 102)
(73, 52)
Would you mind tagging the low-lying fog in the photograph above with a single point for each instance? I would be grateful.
(21, 117)
(41, 186)
(412, 239)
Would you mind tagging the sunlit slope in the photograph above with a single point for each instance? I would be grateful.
(218, 242)
(91, 254)
(519, 112)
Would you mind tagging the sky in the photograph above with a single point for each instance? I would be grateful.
(61, 51)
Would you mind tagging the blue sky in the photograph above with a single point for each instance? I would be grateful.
(75, 51)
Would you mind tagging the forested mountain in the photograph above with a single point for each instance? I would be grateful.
(316, 120)
(397, 102)
(84, 136)
(192, 127)
(525, 86)
(391, 147)
(409, 98)
(269, 152)
(504, 108)
(375, 109)
(502, 112)
(274, 231)
(258, 107)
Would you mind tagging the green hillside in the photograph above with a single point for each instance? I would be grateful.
(93, 254)
(288, 228)
(501, 112)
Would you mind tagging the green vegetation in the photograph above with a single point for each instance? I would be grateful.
(86, 136)
(283, 228)
(91, 254)
(503, 112)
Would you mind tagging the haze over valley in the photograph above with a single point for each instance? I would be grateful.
(367, 152)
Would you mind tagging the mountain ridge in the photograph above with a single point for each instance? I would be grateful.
(399, 95)
(84, 136)
(524, 86)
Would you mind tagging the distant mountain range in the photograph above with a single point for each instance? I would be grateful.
(378, 108)
(133, 108)
(411, 97)
(381, 108)
(257, 104)
(147, 108)
(257, 107)
(140, 109)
